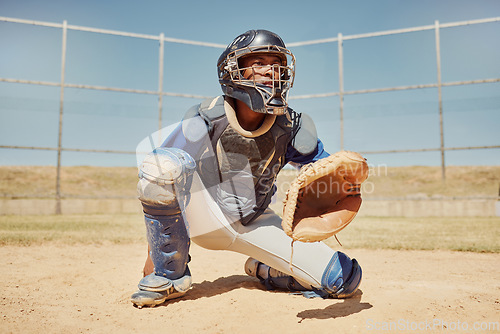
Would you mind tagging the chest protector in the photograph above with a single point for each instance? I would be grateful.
(240, 171)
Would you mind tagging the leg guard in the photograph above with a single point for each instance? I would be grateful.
(272, 278)
(169, 243)
(342, 277)
(164, 183)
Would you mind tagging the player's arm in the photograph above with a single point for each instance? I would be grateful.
(305, 146)
(191, 134)
(295, 157)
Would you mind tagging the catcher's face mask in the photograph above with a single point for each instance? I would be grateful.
(257, 69)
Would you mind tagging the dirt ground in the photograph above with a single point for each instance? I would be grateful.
(79, 289)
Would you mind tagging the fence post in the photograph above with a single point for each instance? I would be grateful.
(341, 88)
(160, 81)
(440, 98)
(61, 113)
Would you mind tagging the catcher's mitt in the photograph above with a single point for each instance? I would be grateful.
(325, 197)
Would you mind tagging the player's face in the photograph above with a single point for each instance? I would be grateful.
(263, 69)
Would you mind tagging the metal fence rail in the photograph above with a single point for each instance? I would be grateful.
(161, 38)
(436, 27)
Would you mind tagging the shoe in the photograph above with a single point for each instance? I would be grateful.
(155, 290)
(143, 298)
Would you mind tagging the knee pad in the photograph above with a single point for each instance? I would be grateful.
(165, 177)
(342, 276)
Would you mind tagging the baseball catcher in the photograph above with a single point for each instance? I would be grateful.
(212, 179)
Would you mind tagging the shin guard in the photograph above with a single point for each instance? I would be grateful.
(169, 244)
(342, 277)
(169, 251)
(272, 278)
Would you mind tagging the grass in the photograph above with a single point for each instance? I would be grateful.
(420, 181)
(71, 229)
(40, 181)
(471, 234)
(423, 181)
(456, 234)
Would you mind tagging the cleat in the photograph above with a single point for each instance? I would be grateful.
(148, 298)
(155, 290)
(143, 298)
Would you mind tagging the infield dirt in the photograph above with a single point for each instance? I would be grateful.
(86, 289)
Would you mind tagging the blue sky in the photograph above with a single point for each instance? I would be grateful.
(377, 121)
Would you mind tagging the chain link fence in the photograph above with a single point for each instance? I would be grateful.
(160, 92)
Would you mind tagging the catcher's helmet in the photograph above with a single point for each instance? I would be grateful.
(259, 97)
